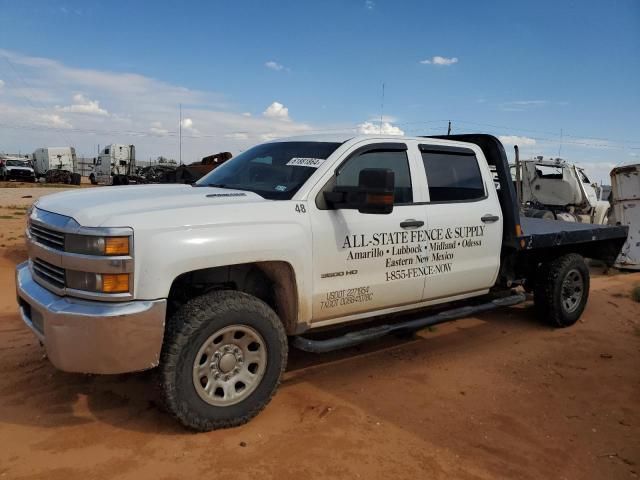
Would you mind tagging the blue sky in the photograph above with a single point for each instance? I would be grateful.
(91, 73)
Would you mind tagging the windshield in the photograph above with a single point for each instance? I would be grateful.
(583, 177)
(272, 170)
(16, 163)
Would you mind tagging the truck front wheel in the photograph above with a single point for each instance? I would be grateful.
(222, 359)
(562, 290)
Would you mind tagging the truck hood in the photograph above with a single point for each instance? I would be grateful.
(102, 206)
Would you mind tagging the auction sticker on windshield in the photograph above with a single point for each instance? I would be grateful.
(306, 162)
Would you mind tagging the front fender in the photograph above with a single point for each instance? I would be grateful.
(162, 256)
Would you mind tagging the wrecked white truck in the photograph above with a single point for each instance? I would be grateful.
(291, 237)
(555, 189)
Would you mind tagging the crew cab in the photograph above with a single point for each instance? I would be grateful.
(206, 282)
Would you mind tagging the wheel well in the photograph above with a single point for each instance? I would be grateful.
(273, 282)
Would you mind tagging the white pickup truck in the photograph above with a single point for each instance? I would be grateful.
(207, 281)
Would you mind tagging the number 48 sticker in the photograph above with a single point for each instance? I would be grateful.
(300, 208)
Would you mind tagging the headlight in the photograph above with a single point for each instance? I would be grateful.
(90, 245)
(98, 282)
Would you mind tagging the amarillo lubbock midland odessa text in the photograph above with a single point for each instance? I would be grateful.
(441, 242)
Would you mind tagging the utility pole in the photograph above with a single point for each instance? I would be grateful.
(180, 135)
(449, 128)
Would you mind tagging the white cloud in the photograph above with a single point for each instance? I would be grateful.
(525, 103)
(187, 123)
(277, 110)
(275, 66)
(141, 110)
(1, 83)
(158, 129)
(369, 4)
(385, 118)
(53, 120)
(438, 60)
(84, 105)
(516, 140)
(246, 114)
(237, 135)
(267, 137)
(369, 128)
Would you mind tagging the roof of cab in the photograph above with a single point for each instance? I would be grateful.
(341, 137)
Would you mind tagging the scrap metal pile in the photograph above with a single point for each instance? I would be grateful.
(183, 173)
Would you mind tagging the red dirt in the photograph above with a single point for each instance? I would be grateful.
(497, 396)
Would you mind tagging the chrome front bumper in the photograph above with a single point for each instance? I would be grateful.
(88, 336)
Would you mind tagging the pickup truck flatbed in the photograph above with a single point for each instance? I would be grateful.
(544, 233)
(206, 283)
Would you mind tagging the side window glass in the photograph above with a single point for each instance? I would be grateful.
(393, 160)
(452, 176)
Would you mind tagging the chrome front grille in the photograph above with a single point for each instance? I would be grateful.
(49, 273)
(46, 236)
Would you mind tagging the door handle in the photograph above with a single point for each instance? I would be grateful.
(411, 223)
(488, 218)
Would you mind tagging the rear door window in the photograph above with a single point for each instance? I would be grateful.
(452, 175)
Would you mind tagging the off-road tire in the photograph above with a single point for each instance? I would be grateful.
(548, 291)
(188, 329)
(93, 180)
(76, 178)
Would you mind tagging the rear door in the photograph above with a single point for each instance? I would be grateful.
(465, 222)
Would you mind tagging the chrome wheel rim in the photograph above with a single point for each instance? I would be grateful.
(572, 290)
(229, 365)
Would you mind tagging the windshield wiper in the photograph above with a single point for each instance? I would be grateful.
(229, 187)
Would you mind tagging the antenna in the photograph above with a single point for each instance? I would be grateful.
(560, 147)
(180, 135)
(382, 108)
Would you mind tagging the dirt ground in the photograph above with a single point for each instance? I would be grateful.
(494, 396)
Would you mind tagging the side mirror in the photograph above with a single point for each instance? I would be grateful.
(374, 193)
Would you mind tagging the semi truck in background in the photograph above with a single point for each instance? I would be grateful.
(56, 165)
(114, 165)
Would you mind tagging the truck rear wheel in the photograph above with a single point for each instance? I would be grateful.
(562, 290)
(222, 359)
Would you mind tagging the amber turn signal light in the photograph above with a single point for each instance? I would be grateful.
(116, 246)
(115, 282)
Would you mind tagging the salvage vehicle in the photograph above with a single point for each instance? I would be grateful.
(554, 188)
(290, 238)
(16, 169)
(56, 165)
(115, 165)
(625, 210)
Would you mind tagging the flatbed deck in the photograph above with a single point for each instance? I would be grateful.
(543, 233)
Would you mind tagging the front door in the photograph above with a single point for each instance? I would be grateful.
(365, 262)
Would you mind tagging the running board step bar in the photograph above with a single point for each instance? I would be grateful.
(356, 338)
